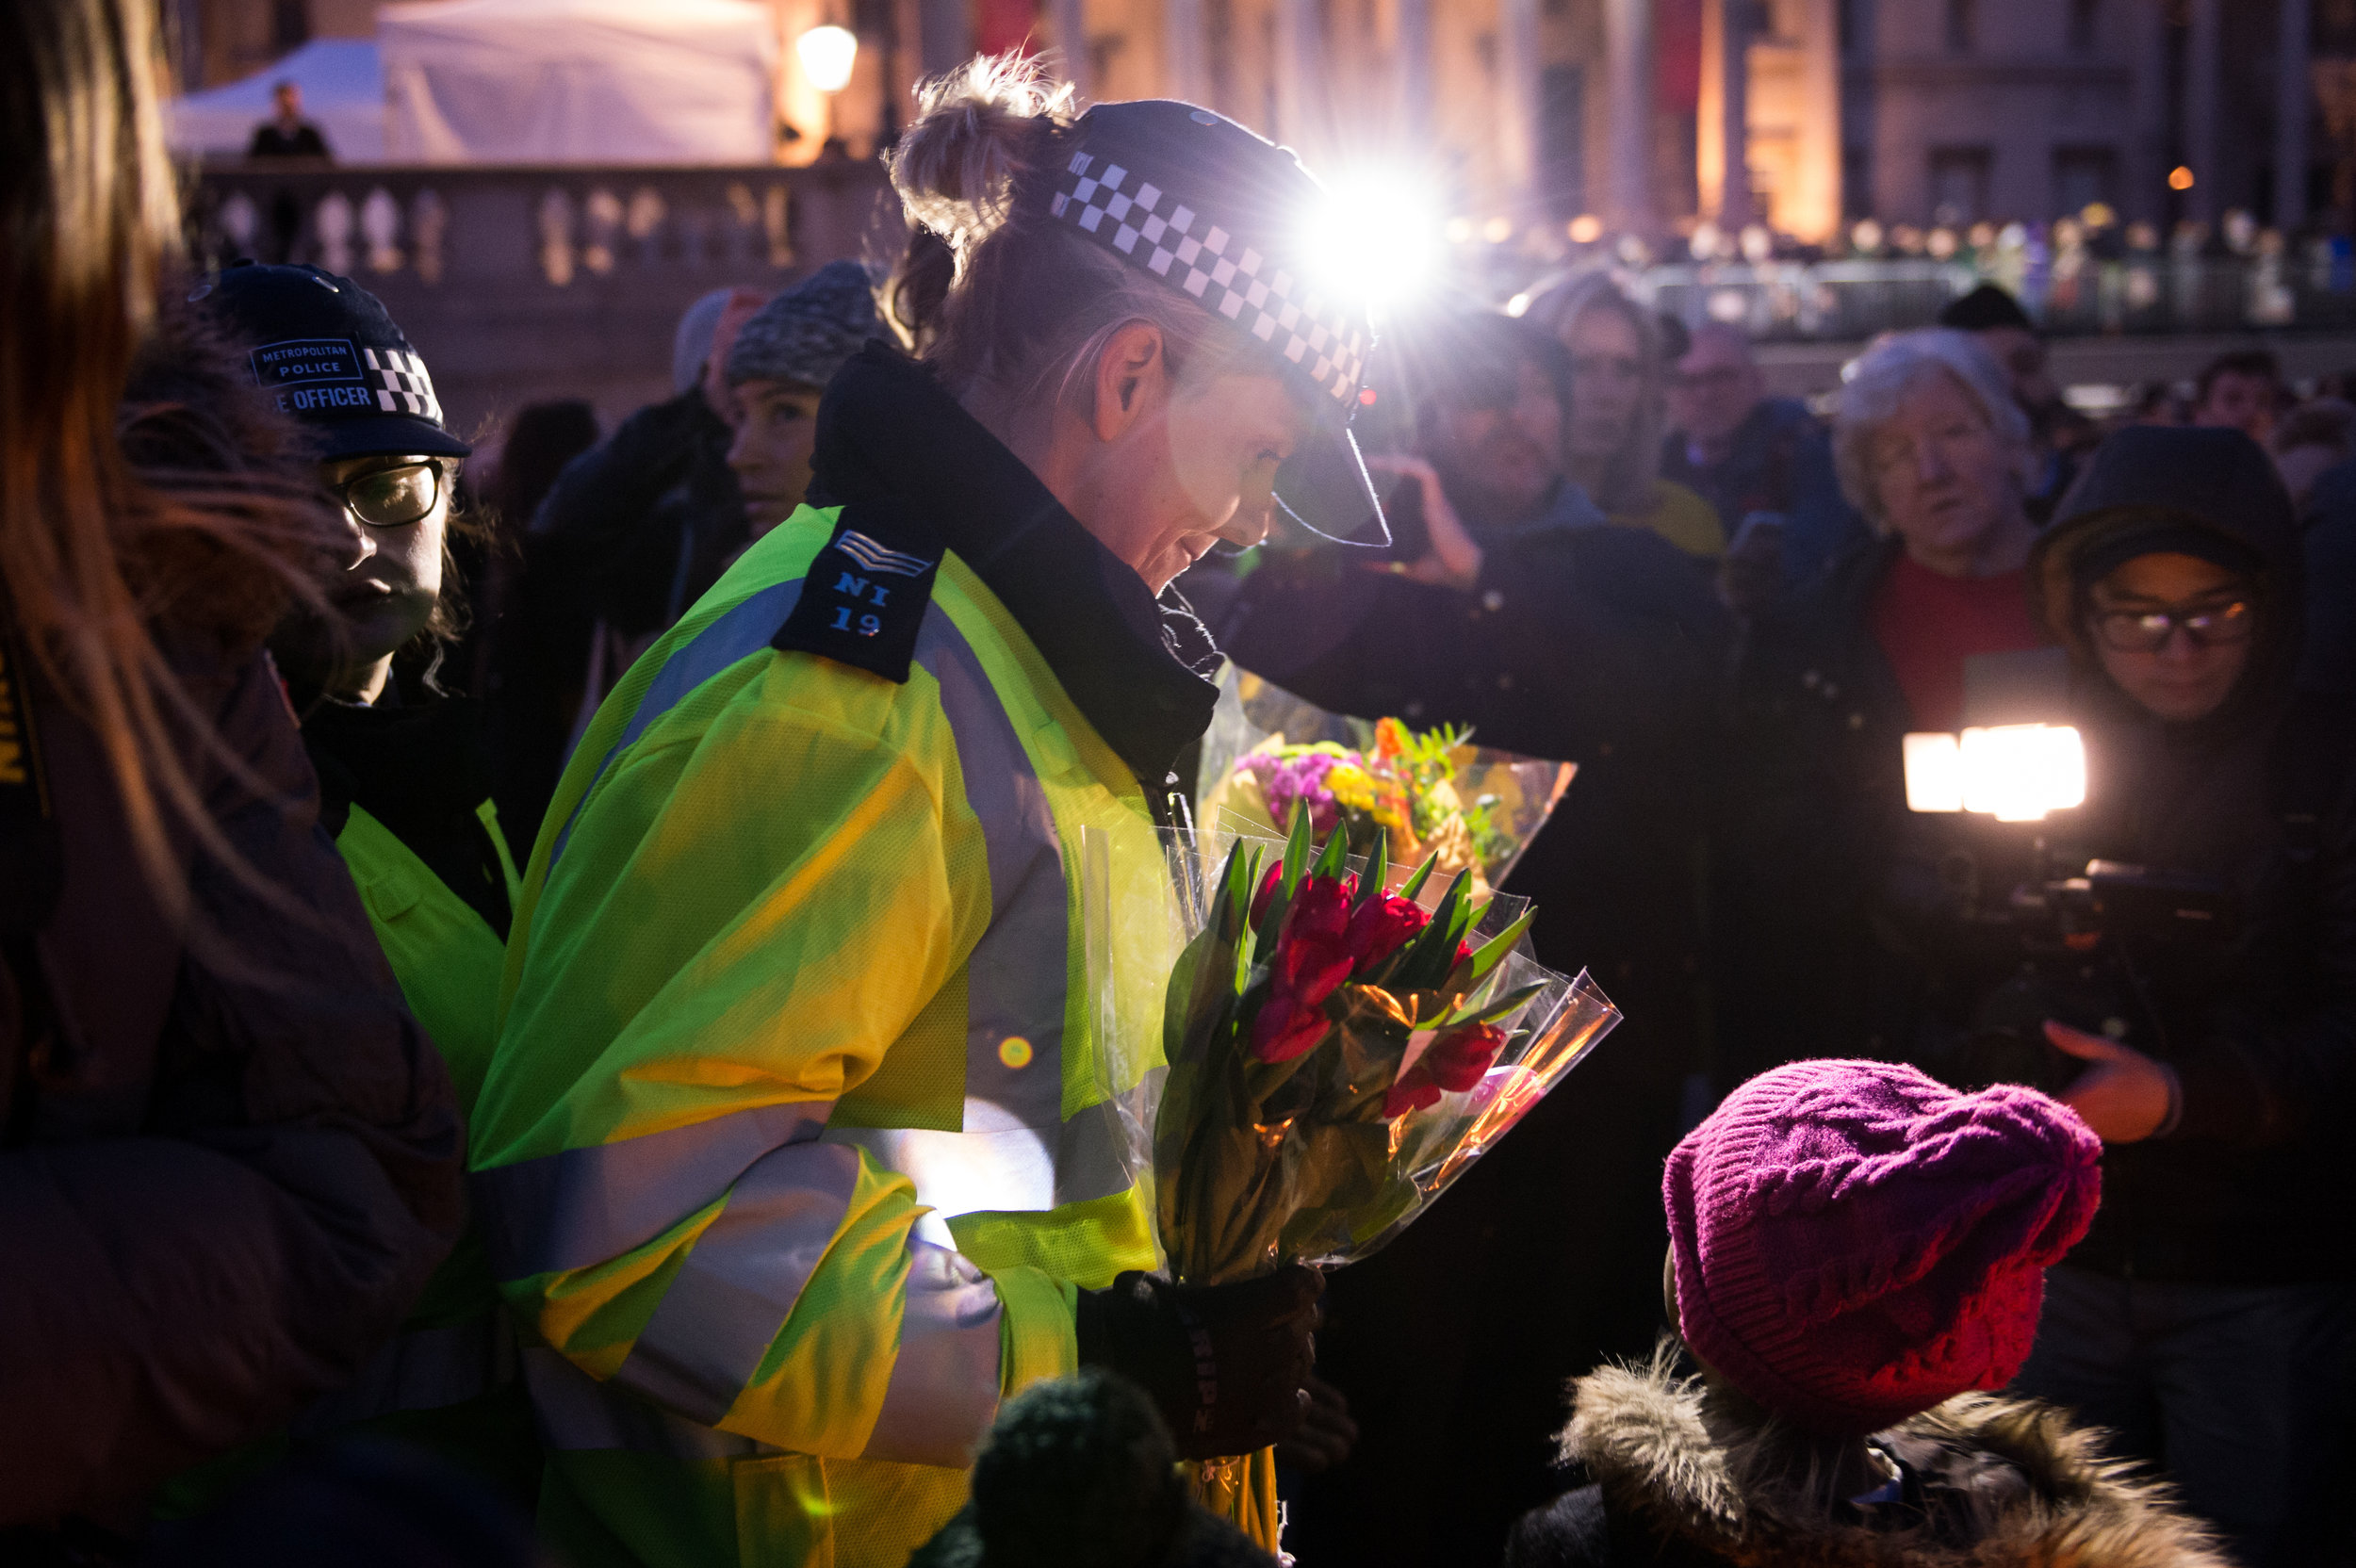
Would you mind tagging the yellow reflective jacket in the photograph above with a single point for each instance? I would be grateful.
(795, 1147)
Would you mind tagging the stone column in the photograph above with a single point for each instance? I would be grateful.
(2201, 94)
(1721, 124)
(1518, 73)
(1298, 70)
(2290, 123)
(2148, 162)
(1628, 40)
(1814, 211)
(1068, 35)
(944, 34)
(1416, 75)
(1186, 63)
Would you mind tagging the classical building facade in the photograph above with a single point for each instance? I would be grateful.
(1634, 111)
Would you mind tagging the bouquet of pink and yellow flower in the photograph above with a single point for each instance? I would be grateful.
(1338, 1054)
(1429, 793)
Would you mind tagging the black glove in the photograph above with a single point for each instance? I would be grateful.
(1225, 1364)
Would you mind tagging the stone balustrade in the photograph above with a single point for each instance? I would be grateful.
(523, 282)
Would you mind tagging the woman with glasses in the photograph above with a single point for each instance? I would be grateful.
(404, 783)
(2204, 1319)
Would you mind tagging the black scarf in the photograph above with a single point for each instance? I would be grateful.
(1139, 668)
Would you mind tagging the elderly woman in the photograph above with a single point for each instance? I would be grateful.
(1611, 437)
(1933, 450)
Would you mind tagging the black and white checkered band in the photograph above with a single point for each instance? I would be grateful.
(402, 386)
(1306, 328)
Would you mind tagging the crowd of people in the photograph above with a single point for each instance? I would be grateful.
(541, 1016)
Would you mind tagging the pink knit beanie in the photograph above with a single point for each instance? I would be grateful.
(1855, 1242)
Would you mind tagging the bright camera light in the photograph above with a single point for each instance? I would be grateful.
(828, 53)
(1934, 773)
(1376, 239)
(2014, 772)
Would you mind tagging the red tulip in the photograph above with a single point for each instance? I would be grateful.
(1321, 910)
(1280, 1032)
(1457, 1060)
(1266, 896)
(1382, 926)
(1416, 1091)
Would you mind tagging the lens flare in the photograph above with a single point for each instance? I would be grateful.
(1376, 237)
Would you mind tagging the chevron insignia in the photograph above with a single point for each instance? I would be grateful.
(875, 558)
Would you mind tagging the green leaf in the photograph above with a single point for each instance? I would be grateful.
(1378, 867)
(1492, 953)
(1434, 953)
(1488, 1012)
(1334, 859)
(1299, 843)
(1415, 884)
(1462, 918)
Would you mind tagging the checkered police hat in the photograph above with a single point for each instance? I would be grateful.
(1216, 212)
(325, 348)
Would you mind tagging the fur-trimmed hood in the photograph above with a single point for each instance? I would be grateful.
(2012, 1484)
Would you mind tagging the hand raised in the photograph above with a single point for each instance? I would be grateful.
(2125, 1095)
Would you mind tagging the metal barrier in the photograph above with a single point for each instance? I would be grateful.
(2141, 292)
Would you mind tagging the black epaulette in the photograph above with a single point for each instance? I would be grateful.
(863, 600)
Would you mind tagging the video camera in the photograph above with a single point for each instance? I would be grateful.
(2086, 944)
(2081, 938)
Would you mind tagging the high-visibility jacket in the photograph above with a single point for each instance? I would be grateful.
(796, 1146)
(448, 1380)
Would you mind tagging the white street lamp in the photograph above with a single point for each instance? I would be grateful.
(828, 52)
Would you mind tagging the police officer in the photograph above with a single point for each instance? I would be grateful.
(403, 787)
(795, 1152)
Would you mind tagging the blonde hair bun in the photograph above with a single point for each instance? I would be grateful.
(977, 128)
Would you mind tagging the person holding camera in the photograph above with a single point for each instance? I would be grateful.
(2204, 1319)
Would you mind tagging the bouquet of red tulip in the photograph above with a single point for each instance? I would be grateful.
(1339, 1053)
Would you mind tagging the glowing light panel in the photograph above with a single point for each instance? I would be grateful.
(2014, 773)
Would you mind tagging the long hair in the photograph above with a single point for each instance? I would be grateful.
(97, 558)
(1626, 483)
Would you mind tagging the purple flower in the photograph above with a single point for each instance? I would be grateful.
(1299, 776)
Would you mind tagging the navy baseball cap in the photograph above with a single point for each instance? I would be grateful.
(325, 348)
(1219, 213)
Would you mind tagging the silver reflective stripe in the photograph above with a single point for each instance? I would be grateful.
(420, 1369)
(944, 1392)
(578, 1414)
(1017, 1170)
(739, 1280)
(586, 1206)
(739, 633)
(1016, 978)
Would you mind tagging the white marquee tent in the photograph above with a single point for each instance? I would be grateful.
(578, 81)
(343, 94)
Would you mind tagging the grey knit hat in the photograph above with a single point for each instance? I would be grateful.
(805, 333)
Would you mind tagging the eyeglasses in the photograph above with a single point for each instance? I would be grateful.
(2147, 630)
(392, 498)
